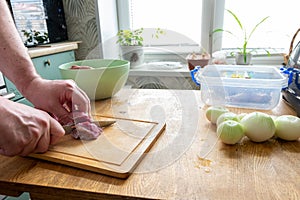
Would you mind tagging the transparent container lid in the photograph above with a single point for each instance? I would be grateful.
(240, 75)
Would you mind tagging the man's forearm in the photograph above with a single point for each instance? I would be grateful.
(15, 62)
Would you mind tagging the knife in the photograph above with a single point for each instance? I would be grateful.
(68, 128)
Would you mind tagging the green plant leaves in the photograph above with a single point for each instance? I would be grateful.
(130, 37)
(134, 37)
(35, 37)
(245, 36)
(255, 27)
(236, 19)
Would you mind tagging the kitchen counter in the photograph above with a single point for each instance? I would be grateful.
(52, 48)
(186, 162)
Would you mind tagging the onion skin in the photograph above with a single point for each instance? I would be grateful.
(230, 132)
(287, 127)
(227, 116)
(213, 112)
(259, 127)
(241, 115)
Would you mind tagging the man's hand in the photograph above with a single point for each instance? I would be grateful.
(26, 130)
(58, 97)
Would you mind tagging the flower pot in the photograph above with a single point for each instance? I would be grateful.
(200, 59)
(134, 54)
(240, 60)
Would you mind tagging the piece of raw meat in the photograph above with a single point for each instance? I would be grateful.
(81, 67)
(84, 128)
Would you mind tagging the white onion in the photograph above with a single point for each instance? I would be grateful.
(213, 112)
(241, 115)
(230, 131)
(259, 126)
(287, 127)
(227, 116)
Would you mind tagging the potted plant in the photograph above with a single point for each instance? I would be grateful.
(198, 59)
(244, 55)
(131, 43)
(34, 37)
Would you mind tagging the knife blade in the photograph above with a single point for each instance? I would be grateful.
(102, 123)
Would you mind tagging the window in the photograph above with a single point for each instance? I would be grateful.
(29, 15)
(275, 33)
(181, 20)
(195, 20)
(179, 17)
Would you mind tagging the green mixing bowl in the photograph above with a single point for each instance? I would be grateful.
(104, 80)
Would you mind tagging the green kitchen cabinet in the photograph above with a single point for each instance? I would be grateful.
(47, 67)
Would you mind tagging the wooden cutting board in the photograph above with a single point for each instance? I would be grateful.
(116, 152)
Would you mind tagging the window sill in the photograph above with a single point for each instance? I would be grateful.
(176, 53)
(161, 70)
(273, 59)
(179, 54)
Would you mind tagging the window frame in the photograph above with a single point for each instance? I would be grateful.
(212, 14)
(212, 18)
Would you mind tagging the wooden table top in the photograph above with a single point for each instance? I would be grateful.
(52, 48)
(187, 161)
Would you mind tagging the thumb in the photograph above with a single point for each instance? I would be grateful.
(56, 131)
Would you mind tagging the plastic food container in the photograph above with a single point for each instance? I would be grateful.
(254, 87)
